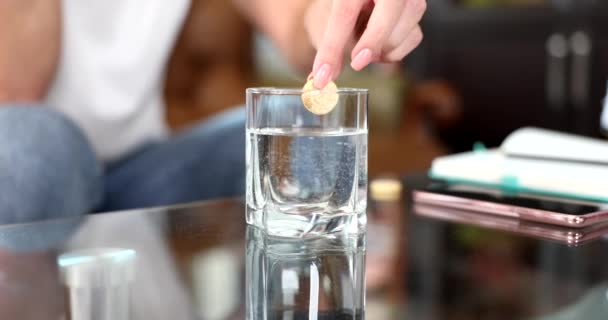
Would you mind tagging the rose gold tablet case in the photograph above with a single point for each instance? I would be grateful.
(511, 211)
(570, 236)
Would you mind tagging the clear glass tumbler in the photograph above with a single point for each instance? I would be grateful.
(306, 173)
(317, 278)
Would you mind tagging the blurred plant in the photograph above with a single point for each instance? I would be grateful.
(476, 238)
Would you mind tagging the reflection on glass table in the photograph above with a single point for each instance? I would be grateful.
(320, 278)
(592, 306)
(198, 261)
(99, 282)
(561, 234)
(469, 266)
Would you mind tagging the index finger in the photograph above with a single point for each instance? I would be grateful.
(339, 29)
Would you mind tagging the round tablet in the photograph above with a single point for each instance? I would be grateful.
(322, 101)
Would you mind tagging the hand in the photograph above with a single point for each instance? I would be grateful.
(389, 32)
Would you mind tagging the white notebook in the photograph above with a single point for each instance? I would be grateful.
(534, 160)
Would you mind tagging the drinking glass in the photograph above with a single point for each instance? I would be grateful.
(313, 278)
(306, 173)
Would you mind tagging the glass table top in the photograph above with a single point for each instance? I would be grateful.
(200, 261)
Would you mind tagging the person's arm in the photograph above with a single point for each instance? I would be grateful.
(29, 48)
(372, 30)
(283, 22)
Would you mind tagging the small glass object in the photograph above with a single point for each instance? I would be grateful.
(318, 278)
(99, 281)
(306, 173)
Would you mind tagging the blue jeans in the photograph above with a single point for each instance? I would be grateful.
(48, 168)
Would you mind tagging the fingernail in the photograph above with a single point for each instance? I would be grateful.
(315, 67)
(322, 76)
(362, 59)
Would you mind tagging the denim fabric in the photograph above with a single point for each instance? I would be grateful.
(48, 169)
(207, 161)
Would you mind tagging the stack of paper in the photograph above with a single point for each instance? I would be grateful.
(537, 161)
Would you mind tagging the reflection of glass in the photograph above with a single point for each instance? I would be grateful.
(320, 278)
(592, 306)
(566, 235)
(98, 280)
(306, 173)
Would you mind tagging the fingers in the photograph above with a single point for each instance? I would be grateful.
(391, 33)
(381, 24)
(404, 33)
(338, 31)
(408, 23)
(410, 43)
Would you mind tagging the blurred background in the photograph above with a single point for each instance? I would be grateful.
(485, 68)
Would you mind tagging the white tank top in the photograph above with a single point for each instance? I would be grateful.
(111, 71)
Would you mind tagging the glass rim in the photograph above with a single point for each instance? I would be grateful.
(299, 91)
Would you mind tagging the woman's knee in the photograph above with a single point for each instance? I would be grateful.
(48, 168)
